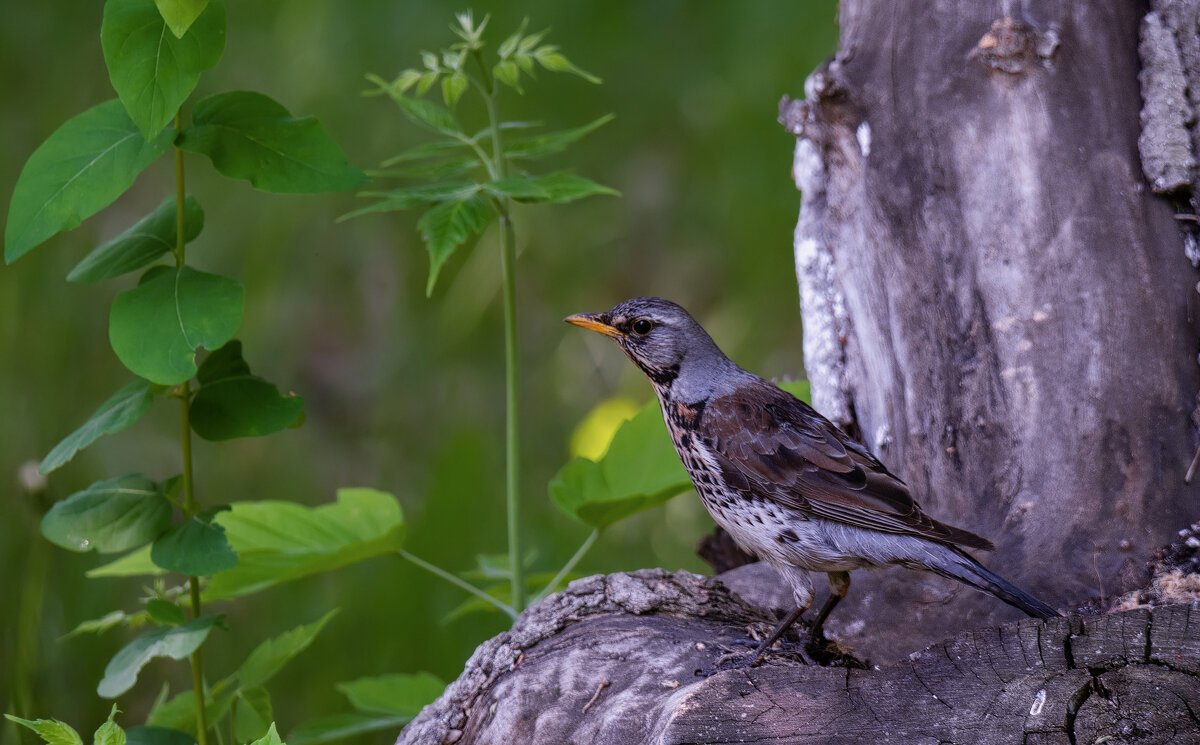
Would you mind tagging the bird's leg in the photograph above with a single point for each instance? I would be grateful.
(777, 632)
(839, 586)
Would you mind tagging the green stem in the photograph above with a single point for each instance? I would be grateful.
(190, 508)
(508, 260)
(456, 581)
(571, 562)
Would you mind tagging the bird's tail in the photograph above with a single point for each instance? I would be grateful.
(963, 568)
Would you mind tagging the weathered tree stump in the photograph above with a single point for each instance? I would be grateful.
(614, 659)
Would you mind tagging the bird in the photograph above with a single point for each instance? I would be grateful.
(786, 483)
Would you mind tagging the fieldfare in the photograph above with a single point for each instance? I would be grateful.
(782, 480)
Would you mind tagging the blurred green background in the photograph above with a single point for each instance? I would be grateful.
(403, 393)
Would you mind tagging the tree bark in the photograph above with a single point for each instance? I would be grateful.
(992, 294)
(613, 660)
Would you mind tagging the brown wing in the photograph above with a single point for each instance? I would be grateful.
(768, 442)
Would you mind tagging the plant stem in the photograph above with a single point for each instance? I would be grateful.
(190, 508)
(508, 260)
(458, 582)
(571, 562)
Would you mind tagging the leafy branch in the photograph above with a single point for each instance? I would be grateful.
(471, 181)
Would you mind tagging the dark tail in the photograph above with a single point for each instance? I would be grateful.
(963, 568)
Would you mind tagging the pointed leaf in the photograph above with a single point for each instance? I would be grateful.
(113, 515)
(418, 110)
(164, 612)
(549, 58)
(233, 403)
(176, 642)
(109, 733)
(79, 170)
(398, 694)
(250, 136)
(196, 547)
(338, 727)
(447, 226)
(529, 148)
(141, 244)
(453, 87)
(52, 731)
(157, 736)
(280, 541)
(100, 625)
(271, 738)
(156, 327)
(180, 14)
(122, 409)
(152, 69)
(269, 657)
(254, 715)
(506, 72)
(408, 197)
(558, 187)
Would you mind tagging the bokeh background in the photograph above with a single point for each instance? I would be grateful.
(403, 393)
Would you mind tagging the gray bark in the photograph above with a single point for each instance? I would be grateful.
(993, 295)
(612, 660)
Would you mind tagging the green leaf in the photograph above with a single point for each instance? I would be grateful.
(52, 731)
(176, 642)
(550, 58)
(501, 591)
(397, 694)
(339, 727)
(640, 470)
(254, 715)
(109, 733)
(558, 187)
(530, 148)
(417, 110)
(122, 409)
(157, 736)
(79, 170)
(418, 195)
(453, 87)
(108, 516)
(180, 14)
(271, 738)
(196, 547)
(102, 624)
(141, 244)
(164, 612)
(250, 136)
(156, 327)
(427, 150)
(269, 657)
(233, 403)
(281, 541)
(154, 71)
(506, 72)
(447, 226)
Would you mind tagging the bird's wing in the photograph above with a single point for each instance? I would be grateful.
(769, 443)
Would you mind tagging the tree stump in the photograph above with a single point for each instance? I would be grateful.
(614, 659)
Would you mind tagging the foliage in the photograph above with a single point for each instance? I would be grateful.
(156, 53)
(470, 181)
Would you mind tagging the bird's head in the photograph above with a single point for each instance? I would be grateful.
(656, 334)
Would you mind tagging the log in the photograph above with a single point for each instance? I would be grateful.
(615, 659)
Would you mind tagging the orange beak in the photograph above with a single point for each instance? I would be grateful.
(592, 322)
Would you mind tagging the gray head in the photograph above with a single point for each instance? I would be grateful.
(663, 340)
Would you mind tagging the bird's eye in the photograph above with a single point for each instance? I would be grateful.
(642, 326)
